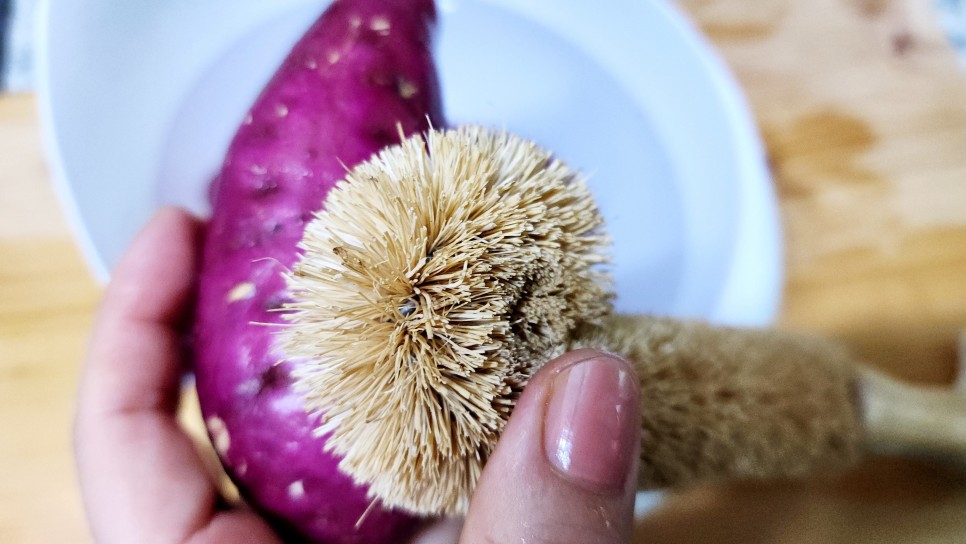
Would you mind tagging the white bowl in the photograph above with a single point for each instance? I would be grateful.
(139, 100)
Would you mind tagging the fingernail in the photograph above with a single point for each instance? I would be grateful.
(591, 423)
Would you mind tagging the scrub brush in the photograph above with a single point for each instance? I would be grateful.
(445, 271)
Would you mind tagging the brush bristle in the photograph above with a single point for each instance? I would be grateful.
(441, 274)
(722, 403)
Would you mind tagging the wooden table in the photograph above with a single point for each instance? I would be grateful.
(863, 108)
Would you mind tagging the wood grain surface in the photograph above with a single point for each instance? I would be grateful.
(863, 108)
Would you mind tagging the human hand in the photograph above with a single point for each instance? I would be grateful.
(142, 479)
(564, 470)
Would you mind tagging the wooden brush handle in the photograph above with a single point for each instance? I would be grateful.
(903, 419)
(723, 403)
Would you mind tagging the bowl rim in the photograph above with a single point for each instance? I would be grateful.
(758, 237)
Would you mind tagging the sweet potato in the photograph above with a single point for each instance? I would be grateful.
(363, 70)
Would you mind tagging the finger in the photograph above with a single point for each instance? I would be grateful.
(565, 469)
(141, 478)
(441, 531)
(134, 357)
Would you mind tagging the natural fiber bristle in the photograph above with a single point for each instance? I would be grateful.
(440, 275)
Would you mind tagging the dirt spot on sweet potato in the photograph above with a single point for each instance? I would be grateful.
(296, 490)
(380, 25)
(219, 434)
(272, 378)
(383, 137)
(265, 186)
(406, 88)
(242, 291)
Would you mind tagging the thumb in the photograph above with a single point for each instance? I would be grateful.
(565, 469)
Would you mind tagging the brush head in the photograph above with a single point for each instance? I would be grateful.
(440, 275)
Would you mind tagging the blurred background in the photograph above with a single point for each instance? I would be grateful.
(862, 107)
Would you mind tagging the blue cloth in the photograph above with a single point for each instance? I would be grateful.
(952, 15)
(4, 11)
(16, 44)
(4, 23)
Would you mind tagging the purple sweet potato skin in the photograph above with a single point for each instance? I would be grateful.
(363, 67)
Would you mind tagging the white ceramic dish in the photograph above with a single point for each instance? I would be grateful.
(140, 98)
